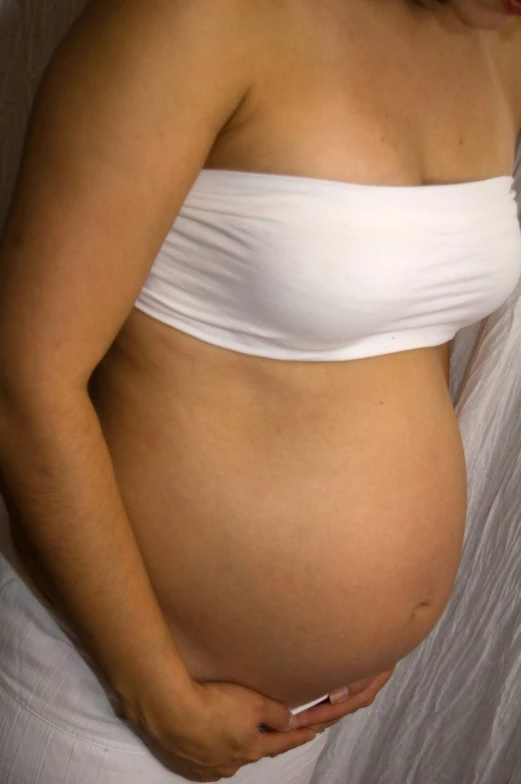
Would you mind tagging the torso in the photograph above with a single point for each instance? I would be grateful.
(302, 522)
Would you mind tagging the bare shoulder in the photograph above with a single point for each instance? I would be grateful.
(506, 48)
(166, 33)
(161, 67)
(126, 114)
(201, 13)
(223, 22)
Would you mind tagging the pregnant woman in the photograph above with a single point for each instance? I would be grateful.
(243, 237)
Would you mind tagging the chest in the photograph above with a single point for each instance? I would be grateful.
(314, 269)
(376, 103)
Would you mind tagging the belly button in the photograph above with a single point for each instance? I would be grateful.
(420, 607)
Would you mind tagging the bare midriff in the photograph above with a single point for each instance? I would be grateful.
(301, 522)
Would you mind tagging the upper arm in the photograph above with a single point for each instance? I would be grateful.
(124, 120)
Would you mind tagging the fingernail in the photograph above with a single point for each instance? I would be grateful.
(339, 695)
(293, 723)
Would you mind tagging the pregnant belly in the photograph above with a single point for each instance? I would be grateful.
(302, 561)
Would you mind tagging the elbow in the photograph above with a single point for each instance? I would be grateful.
(41, 383)
(19, 391)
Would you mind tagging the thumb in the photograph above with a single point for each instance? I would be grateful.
(277, 717)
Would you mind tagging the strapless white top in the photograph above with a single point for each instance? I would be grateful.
(298, 268)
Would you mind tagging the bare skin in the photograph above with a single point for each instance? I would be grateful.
(255, 464)
(299, 524)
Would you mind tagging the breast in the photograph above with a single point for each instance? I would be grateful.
(298, 268)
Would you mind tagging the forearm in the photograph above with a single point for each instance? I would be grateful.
(57, 471)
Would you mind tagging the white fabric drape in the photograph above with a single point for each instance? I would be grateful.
(452, 712)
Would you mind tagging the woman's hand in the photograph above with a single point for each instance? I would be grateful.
(214, 731)
(362, 694)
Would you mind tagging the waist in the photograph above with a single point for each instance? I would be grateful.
(178, 403)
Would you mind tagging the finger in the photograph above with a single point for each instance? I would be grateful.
(365, 683)
(277, 717)
(318, 728)
(273, 744)
(357, 688)
(381, 680)
(326, 713)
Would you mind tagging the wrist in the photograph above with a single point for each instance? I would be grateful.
(158, 677)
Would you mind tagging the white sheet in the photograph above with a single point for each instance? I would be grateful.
(452, 712)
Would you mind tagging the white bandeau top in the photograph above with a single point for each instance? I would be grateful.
(298, 268)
